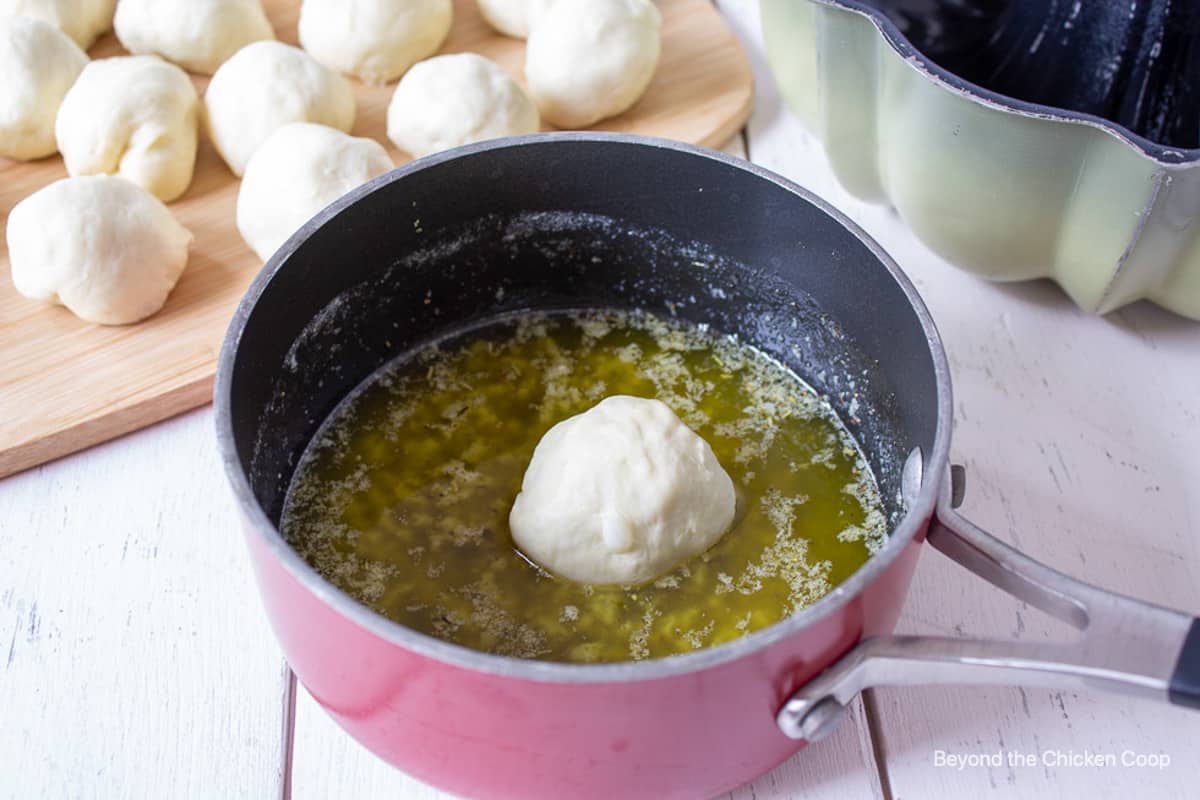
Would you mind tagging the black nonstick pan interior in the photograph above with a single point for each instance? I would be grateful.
(569, 222)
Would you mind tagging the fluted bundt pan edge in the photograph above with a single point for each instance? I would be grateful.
(1005, 187)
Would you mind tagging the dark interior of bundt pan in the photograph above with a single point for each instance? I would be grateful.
(1133, 62)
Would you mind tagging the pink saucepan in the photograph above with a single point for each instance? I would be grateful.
(606, 221)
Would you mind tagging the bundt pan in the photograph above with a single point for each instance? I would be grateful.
(1018, 138)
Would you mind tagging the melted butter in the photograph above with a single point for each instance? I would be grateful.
(402, 499)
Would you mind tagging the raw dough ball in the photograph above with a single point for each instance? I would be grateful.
(199, 35)
(82, 20)
(39, 63)
(377, 40)
(513, 17)
(296, 172)
(621, 494)
(133, 116)
(265, 86)
(102, 246)
(448, 101)
(591, 59)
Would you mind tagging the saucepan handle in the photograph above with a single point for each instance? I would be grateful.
(1125, 645)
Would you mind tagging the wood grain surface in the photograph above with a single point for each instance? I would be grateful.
(66, 384)
(135, 662)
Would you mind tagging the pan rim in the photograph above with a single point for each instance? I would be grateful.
(913, 522)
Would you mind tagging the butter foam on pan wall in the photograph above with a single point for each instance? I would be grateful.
(1004, 188)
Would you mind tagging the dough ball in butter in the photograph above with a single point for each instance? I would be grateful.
(38, 63)
(198, 35)
(298, 171)
(587, 60)
(82, 20)
(454, 100)
(376, 40)
(513, 17)
(265, 86)
(102, 246)
(133, 116)
(620, 494)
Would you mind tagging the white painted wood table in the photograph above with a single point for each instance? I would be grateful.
(137, 662)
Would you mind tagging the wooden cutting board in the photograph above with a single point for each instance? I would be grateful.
(66, 384)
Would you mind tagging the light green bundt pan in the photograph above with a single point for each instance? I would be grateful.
(1004, 189)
